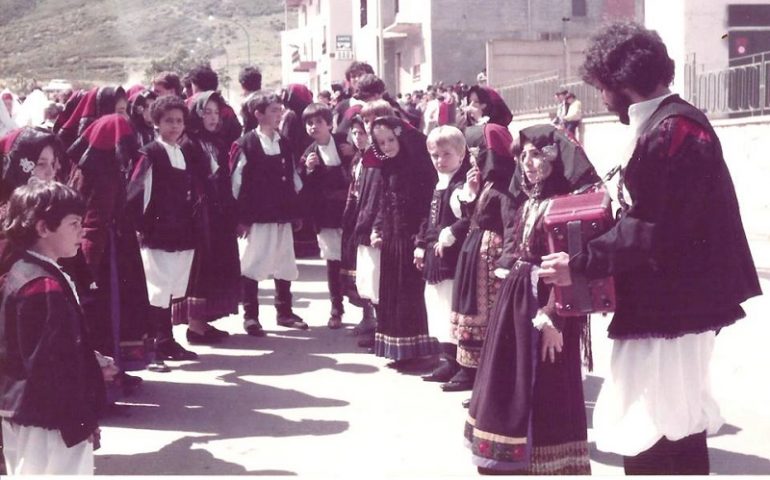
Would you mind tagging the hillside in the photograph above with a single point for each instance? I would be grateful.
(114, 41)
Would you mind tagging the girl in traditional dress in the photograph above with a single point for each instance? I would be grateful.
(214, 288)
(527, 413)
(486, 201)
(408, 179)
(139, 104)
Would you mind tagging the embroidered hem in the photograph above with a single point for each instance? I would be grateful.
(401, 348)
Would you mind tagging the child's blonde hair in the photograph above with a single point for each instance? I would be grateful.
(449, 136)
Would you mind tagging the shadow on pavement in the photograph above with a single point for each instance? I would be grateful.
(724, 462)
(176, 458)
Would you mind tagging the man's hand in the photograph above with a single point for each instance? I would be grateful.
(555, 269)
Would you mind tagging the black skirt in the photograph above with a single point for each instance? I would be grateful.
(464, 293)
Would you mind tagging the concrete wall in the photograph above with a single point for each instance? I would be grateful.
(510, 60)
(745, 143)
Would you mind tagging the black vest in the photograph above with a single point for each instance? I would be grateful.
(328, 188)
(168, 222)
(267, 192)
(441, 268)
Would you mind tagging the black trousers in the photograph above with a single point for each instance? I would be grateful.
(688, 456)
(334, 283)
(283, 298)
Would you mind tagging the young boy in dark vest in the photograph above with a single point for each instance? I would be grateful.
(265, 186)
(165, 190)
(51, 386)
(326, 173)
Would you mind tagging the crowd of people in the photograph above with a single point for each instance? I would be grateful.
(147, 207)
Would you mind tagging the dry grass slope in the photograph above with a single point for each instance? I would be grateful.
(114, 41)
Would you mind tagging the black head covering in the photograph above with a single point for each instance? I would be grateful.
(496, 108)
(571, 168)
(494, 158)
(197, 107)
(410, 140)
(20, 150)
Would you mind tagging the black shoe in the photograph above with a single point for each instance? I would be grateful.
(461, 382)
(335, 322)
(365, 326)
(366, 341)
(291, 320)
(194, 338)
(158, 366)
(127, 382)
(467, 403)
(171, 350)
(216, 333)
(444, 372)
(253, 327)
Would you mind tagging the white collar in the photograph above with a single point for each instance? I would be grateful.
(444, 179)
(44, 258)
(172, 146)
(274, 138)
(639, 113)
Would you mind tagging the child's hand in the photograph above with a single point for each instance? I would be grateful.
(242, 230)
(311, 162)
(375, 240)
(419, 258)
(473, 180)
(438, 249)
(552, 343)
(109, 372)
(296, 225)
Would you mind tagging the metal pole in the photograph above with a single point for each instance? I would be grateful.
(564, 21)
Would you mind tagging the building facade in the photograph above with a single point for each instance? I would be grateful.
(319, 49)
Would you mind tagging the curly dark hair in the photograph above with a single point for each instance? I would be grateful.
(164, 105)
(627, 55)
(204, 77)
(250, 79)
(317, 110)
(169, 81)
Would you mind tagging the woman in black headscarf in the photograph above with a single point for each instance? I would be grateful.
(487, 106)
(527, 412)
(213, 291)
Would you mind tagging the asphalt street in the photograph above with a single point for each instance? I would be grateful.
(313, 404)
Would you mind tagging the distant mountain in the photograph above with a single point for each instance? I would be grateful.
(114, 41)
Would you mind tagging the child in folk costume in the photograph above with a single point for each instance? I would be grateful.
(325, 169)
(527, 412)
(439, 240)
(166, 185)
(265, 185)
(475, 289)
(370, 188)
(407, 184)
(360, 140)
(51, 386)
(214, 288)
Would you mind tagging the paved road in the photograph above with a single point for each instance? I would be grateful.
(313, 404)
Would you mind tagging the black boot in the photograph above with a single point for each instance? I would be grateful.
(368, 323)
(166, 348)
(250, 300)
(448, 365)
(462, 381)
(285, 317)
(334, 282)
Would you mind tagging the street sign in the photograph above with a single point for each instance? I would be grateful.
(344, 42)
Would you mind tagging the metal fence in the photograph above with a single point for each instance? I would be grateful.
(737, 91)
(535, 94)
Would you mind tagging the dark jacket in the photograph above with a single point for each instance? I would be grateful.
(168, 222)
(49, 376)
(325, 189)
(679, 255)
(267, 192)
(441, 216)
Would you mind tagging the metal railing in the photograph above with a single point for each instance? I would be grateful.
(535, 94)
(737, 91)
